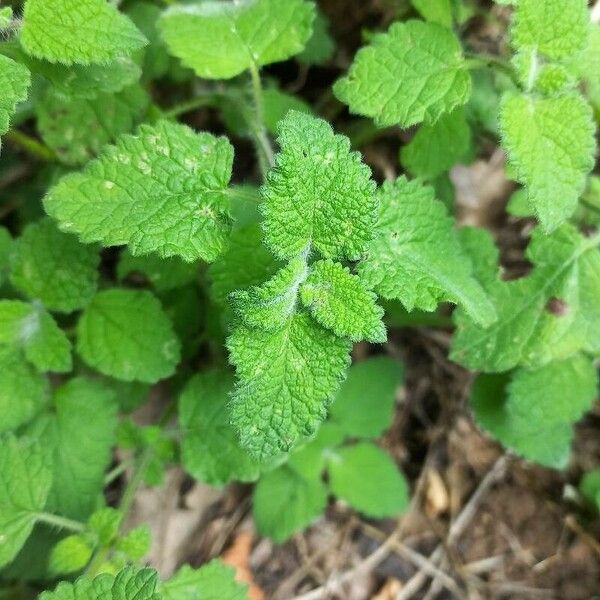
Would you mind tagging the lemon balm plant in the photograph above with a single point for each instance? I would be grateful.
(140, 255)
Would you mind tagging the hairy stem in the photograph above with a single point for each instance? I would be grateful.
(263, 145)
(190, 105)
(31, 145)
(61, 522)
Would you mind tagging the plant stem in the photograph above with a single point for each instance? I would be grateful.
(264, 149)
(61, 522)
(190, 105)
(478, 61)
(31, 145)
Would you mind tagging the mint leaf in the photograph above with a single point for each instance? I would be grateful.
(277, 104)
(77, 31)
(253, 32)
(135, 544)
(71, 554)
(338, 300)
(30, 328)
(415, 72)
(179, 206)
(79, 454)
(364, 406)
(285, 502)
(286, 380)
(321, 46)
(25, 481)
(15, 79)
(533, 411)
(78, 128)
(548, 315)
(212, 581)
(54, 267)
(210, 449)
(127, 335)
(439, 146)
(555, 28)
(163, 273)
(416, 256)
(131, 583)
(551, 146)
(435, 11)
(105, 523)
(334, 214)
(23, 390)
(368, 480)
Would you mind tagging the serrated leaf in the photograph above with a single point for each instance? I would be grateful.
(554, 28)
(25, 481)
(162, 273)
(135, 544)
(76, 129)
(269, 306)
(105, 523)
(319, 196)
(71, 554)
(54, 267)
(287, 378)
(79, 454)
(23, 390)
(212, 581)
(533, 411)
(161, 191)
(30, 328)
(439, 146)
(368, 480)
(364, 406)
(251, 32)
(548, 315)
(127, 335)
(77, 31)
(245, 263)
(285, 502)
(131, 583)
(210, 448)
(551, 145)
(416, 256)
(339, 301)
(15, 80)
(415, 72)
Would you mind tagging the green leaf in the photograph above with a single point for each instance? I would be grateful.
(435, 11)
(6, 15)
(132, 583)
(23, 390)
(270, 305)
(338, 300)
(71, 554)
(105, 523)
(25, 481)
(364, 406)
(77, 31)
(54, 267)
(321, 46)
(319, 196)
(368, 480)
(287, 378)
(416, 256)
(212, 581)
(555, 28)
(284, 503)
(276, 105)
(127, 335)
(589, 486)
(548, 315)
(15, 79)
(533, 411)
(30, 327)
(551, 146)
(76, 129)
(439, 146)
(210, 449)
(178, 207)
(220, 40)
(245, 263)
(136, 543)
(163, 273)
(78, 437)
(415, 72)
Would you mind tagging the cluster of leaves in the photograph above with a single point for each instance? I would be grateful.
(106, 289)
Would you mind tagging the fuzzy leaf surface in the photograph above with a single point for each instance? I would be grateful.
(416, 256)
(160, 191)
(415, 72)
(78, 31)
(220, 40)
(14, 83)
